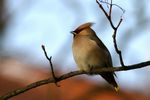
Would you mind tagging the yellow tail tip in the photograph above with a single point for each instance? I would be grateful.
(117, 88)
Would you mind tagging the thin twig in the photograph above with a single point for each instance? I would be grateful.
(51, 65)
(106, 2)
(110, 9)
(69, 75)
(102, 8)
(115, 28)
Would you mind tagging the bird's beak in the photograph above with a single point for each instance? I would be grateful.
(72, 32)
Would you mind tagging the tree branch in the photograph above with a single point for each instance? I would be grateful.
(50, 63)
(115, 28)
(69, 75)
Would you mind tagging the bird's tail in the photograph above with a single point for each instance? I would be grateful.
(109, 77)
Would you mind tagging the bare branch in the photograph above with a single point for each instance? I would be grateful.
(115, 43)
(110, 10)
(106, 2)
(51, 65)
(69, 75)
(115, 28)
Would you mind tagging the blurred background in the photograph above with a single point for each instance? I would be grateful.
(27, 24)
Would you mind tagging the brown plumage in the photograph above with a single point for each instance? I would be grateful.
(90, 53)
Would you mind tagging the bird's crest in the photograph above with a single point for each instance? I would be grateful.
(83, 26)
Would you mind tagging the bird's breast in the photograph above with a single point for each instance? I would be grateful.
(86, 52)
(80, 50)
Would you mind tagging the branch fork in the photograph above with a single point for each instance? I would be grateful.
(51, 65)
(115, 28)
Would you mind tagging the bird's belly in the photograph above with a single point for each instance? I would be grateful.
(87, 57)
(80, 58)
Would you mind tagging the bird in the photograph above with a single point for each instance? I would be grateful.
(90, 53)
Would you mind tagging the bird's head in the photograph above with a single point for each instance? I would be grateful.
(84, 29)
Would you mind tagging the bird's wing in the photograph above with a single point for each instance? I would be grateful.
(102, 46)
